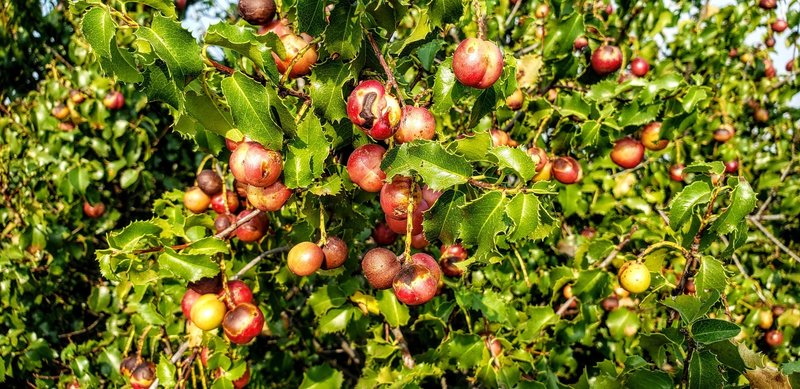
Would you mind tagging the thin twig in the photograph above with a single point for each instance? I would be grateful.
(386, 69)
(784, 174)
(408, 359)
(182, 349)
(563, 307)
(221, 235)
(742, 270)
(350, 352)
(82, 330)
(774, 239)
(610, 257)
(510, 17)
(256, 260)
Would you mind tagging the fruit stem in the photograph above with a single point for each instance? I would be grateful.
(296, 58)
(389, 75)
(226, 297)
(130, 341)
(201, 166)
(480, 19)
(140, 344)
(224, 187)
(658, 245)
(524, 269)
(323, 234)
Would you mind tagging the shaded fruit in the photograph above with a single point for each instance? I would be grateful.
(566, 170)
(252, 230)
(580, 43)
(279, 27)
(419, 241)
(383, 235)
(724, 133)
(295, 45)
(514, 101)
(305, 258)
(256, 165)
(380, 266)
(364, 167)
(143, 375)
(128, 365)
(187, 302)
(676, 172)
(765, 319)
(238, 292)
(60, 111)
(774, 338)
(732, 166)
(452, 254)
(222, 222)
(114, 100)
(627, 152)
(257, 11)
(195, 200)
(335, 251)
(651, 137)
(209, 182)
(396, 196)
(539, 157)
(220, 205)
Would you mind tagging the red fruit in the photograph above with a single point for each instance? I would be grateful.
(254, 229)
(279, 27)
(218, 203)
(567, 170)
(415, 284)
(383, 235)
(180, 5)
(419, 241)
(639, 67)
(207, 285)
(294, 45)
(539, 156)
(495, 347)
(243, 323)
(515, 100)
(610, 303)
(242, 381)
(690, 287)
(768, 4)
(627, 153)
(779, 25)
(451, 255)
(305, 258)
(724, 133)
(778, 310)
(66, 126)
(222, 222)
(373, 110)
(270, 198)
(477, 63)
(60, 111)
(580, 43)
(396, 195)
(143, 376)
(93, 211)
(400, 226)
(733, 53)
(128, 365)
(774, 338)
(335, 251)
(380, 266)
(429, 195)
(204, 356)
(231, 145)
(606, 59)
(364, 167)
(732, 166)
(253, 164)
(790, 65)
(239, 292)
(430, 263)
(114, 100)
(188, 301)
(416, 123)
(769, 42)
(651, 137)
(676, 172)
(588, 232)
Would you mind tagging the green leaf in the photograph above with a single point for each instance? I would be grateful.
(208, 114)
(645, 379)
(311, 16)
(715, 167)
(322, 377)
(446, 89)
(79, 178)
(515, 159)
(305, 160)
(668, 82)
(166, 7)
(122, 65)
(708, 331)
(325, 298)
(159, 87)
(242, 40)
(98, 28)
(561, 35)
(189, 267)
(681, 207)
(743, 201)
(694, 95)
(427, 53)
(483, 105)
(523, 210)
(711, 275)
(444, 219)
(165, 371)
(445, 11)
(572, 104)
(335, 320)
(175, 46)
(473, 147)
(691, 308)
(129, 237)
(487, 220)
(704, 371)
(635, 115)
(395, 313)
(344, 36)
(538, 319)
(326, 91)
(250, 104)
(621, 319)
(439, 168)
(467, 349)
(591, 284)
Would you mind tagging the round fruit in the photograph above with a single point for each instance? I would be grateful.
(294, 45)
(634, 277)
(761, 115)
(207, 285)
(429, 195)
(196, 200)
(541, 12)
(254, 229)
(400, 226)
(253, 164)
(724, 133)
(305, 258)
(732, 166)
(545, 173)
(279, 27)
(639, 67)
(143, 375)
(383, 235)
(128, 365)
(768, 4)
(187, 302)
(651, 137)
(242, 381)
(239, 292)
(364, 167)
(790, 65)
(66, 126)
(606, 59)
(588, 232)
(243, 323)
(627, 152)
(580, 43)
(415, 284)
(222, 222)
(496, 348)
(416, 123)
(419, 241)
(373, 110)
(779, 25)
(396, 196)
(774, 338)
(335, 251)
(209, 182)
(93, 211)
(207, 312)
(430, 263)
(610, 303)
(477, 63)
(539, 156)
(733, 53)
(765, 319)
(567, 291)
(690, 287)
(514, 101)
(566, 170)
(769, 42)
(114, 100)
(270, 198)
(76, 96)
(60, 111)
(218, 204)
(676, 172)
(500, 138)
(257, 11)
(778, 310)
(451, 255)
(380, 266)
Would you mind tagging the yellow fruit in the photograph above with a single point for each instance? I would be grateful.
(634, 277)
(207, 312)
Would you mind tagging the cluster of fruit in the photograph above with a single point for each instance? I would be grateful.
(208, 304)
(113, 101)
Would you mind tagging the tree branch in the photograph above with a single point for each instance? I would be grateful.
(563, 307)
(386, 69)
(784, 174)
(256, 260)
(182, 349)
(773, 239)
(610, 257)
(221, 235)
(408, 359)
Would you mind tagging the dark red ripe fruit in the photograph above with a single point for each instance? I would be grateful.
(239, 292)
(580, 43)
(257, 11)
(690, 287)
(779, 25)
(627, 153)
(383, 235)
(373, 110)
(305, 258)
(566, 170)
(451, 255)
(253, 164)
(242, 381)
(610, 303)
(768, 4)
(774, 338)
(188, 301)
(114, 100)
(415, 284)
(180, 5)
(676, 172)
(231, 145)
(733, 53)
(243, 323)
(396, 195)
(209, 182)
(364, 167)
(639, 67)
(218, 202)
(127, 366)
(93, 211)
(270, 198)
(724, 133)
(254, 229)
(380, 266)
(335, 251)
(207, 285)
(419, 241)
(790, 65)
(400, 226)
(416, 123)
(477, 63)
(539, 156)
(606, 59)
(143, 375)
(732, 166)
(222, 222)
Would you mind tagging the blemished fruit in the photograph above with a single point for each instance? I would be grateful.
(416, 123)
(639, 67)
(676, 172)
(279, 27)
(396, 196)
(430, 263)
(545, 173)
(415, 284)
(732, 166)
(143, 375)
(114, 100)
(606, 59)
(243, 323)
(257, 11)
(222, 222)
(383, 235)
(724, 133)
(335, 250)
(294, 45)
(477, 63)
(580, 43)
(270, 198)
(651, 137)
(305, 258)
(218, 203)
(93, 211)
(128, 365)
(514, 100)
(768, 4)
(195, 200)
(400, 226)
(451, 255)
(207, 312)
(207, 285)
(239, 292)
(779, 25)
(242, 381)
(256, 165)
(539, 156)
(541, 12)
(380, 266)
(774, 338)
(254, 229)
(209, 182)
(765, 319)
(364, 167)
(373, 110)
(627, 153)
(566, 170)
(634, 277)
(187, 302)
(60, 111)
(761, 115)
